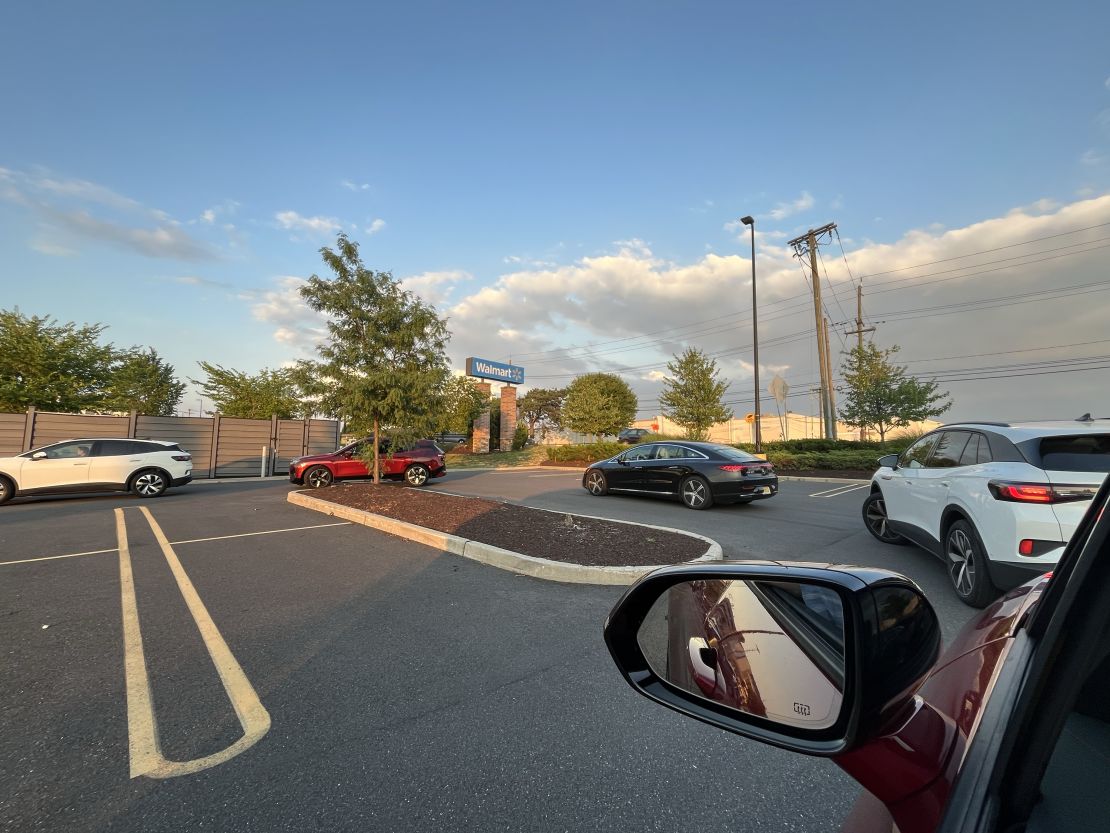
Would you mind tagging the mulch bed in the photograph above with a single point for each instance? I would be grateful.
(555, 536)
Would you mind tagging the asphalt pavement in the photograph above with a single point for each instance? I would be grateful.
(403, 688)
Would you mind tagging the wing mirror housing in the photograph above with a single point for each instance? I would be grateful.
(888, 461)
(39, 455)
(818, 659)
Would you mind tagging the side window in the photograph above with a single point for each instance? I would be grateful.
(114, 448)
(670, 452)
(949, 449)
(983, 455)
(639, 453)
(971, 451)
(68, 451)
(914, 457)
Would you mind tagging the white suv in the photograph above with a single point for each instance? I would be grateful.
(145, 467)
(996, 502)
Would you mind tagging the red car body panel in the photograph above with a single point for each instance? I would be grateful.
(910, 772)
(344, 465)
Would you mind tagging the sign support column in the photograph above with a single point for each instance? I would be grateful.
(480, 442)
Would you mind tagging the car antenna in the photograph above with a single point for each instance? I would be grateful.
(1086, 418)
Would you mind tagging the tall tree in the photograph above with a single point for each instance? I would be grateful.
(692, 395)
(460, 404)
(142, 381)
(384, 360)
(268, 392)
(56, 367)
(542, 407)
(599, 403)
(878, 395)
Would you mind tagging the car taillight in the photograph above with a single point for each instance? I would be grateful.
(745, 470)
(731, 468)
(184, 458)
(1039, 492)
(1025, 546)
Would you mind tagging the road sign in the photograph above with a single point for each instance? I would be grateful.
(749, 418)
(485, 369)
(779, 389)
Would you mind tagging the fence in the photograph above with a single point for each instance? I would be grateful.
(221, 446)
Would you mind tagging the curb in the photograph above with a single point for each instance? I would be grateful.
(504, 559)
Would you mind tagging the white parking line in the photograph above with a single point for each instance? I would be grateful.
(176, 543)
(560, 474)
(840, 490)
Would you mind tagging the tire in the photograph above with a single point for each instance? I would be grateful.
(596, 484)
(876, 521)
(318, 477)
(695, 493)
(966, 560)
(149, 483)
(417, 475)
(7, 490)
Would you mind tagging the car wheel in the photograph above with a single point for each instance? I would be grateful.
(877, 522)
(318, 477)
(149, 483)
(967, 565)
(596, 483)
(416, 475)
(695, 493)
(7, 490)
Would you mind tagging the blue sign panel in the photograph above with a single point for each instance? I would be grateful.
(485, 369)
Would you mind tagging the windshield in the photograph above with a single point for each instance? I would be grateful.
(730, 453)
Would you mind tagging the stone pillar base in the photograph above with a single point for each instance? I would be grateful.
(508, 416)
(480, 443)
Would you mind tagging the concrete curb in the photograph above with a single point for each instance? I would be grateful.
(504, 559)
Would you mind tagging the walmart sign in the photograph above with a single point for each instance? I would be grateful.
(485, 369)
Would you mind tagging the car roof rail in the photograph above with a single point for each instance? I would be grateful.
(978, 422)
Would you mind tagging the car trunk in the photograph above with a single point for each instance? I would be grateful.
(1077, 461)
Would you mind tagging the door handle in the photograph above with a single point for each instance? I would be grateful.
(944, 483)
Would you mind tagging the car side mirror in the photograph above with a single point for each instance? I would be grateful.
(817, 660)
(39, 455)
(888, 461)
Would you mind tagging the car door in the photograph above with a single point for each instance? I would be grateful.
(666, 468)
(628, 471)
(898, 486)
(348, 463)
(113, 461)
(61, 466)
(934, 481)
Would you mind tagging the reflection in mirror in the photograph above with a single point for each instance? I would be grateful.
(772, 649)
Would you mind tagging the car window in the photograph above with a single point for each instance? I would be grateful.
(983, 455)
(120, 448)
(1086, 453)
(671, 452)
(730, 453)
(914, 457)
(66, 451)
(949, 449)
(971, 451)
(642, 452)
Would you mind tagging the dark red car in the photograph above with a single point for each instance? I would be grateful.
(1007, 730)
(415, 464)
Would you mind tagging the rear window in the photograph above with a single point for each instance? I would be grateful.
(730, 453)
(1084, 453)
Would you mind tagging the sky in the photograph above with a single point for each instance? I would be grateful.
(563, 182)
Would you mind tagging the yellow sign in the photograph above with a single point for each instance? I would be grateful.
(749, 418)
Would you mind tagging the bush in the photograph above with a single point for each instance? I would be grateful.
(520, 437)
(584, 452)
(837, 460)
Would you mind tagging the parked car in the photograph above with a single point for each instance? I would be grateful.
(632, 435)
(1008, 730)
(701, 474)
(415, 464)
(144, 467)
(996, 502)
(448, 438)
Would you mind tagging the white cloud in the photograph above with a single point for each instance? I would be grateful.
(293, 221)
(375, 226)
(296, 323)
(1106, 83)
(435, 287)
(788, 209)
(354, 186)
(162, 241)
(48, 247)
(1091, 158)
(193, 280)
(208, 216)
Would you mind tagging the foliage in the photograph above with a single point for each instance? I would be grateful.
(584, 452)
(142, 381)
(520, 436)
(878, 395)
(692, 394)
(542, 408)
(530, 456)
(56, 367)
(238, 394)
(384, 359)
(841, 459)
(495, 424)
(460, 403)
(598, 404)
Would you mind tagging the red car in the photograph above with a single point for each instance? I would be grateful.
(416, 464)
(1007, 731)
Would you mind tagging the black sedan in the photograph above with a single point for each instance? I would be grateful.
(701, 474)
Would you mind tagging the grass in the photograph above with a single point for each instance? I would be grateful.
(500, 459)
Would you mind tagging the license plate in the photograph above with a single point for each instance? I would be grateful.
(763, 490)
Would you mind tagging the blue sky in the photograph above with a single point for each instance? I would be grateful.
(169, 165)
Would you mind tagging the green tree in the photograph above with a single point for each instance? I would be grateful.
(542, 407)
(268, 392)
(495, 423)
(599, 403)
(56, 367)
(142, 381)
(460, 404)
(384, 360)
(692, 395)
(878, 395)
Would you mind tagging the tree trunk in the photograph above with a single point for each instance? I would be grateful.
(377, 454)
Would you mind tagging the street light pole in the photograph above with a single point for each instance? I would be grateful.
(750, 221)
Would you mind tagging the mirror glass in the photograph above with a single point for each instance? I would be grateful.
(772, 649)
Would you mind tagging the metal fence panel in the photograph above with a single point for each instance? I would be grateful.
(290, 443)
(11, 434)
(194, 434)
(323, 436)
(53, 428)
(239, 446)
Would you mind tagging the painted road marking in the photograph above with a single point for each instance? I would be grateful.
(177, 543)
(840, 490)
(142, 728)
(560, 474)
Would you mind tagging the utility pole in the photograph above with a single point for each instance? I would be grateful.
(804, 245)
(831, 435)
(859, 331)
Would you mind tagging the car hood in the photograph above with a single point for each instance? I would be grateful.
(314, 458)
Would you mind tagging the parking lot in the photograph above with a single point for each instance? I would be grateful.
(219, 659)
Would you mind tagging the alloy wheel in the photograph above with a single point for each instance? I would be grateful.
(877, 519)
(319, 478)
(150, 484)
(694, 493)
(961, 562)
(595, 483)
(416, 475)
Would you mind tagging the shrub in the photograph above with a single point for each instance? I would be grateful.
(520, 437)
(584, 452)
(837, 460)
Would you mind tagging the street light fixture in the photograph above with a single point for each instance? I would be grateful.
(750, 221)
